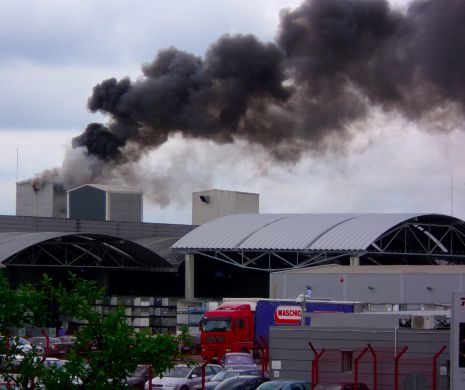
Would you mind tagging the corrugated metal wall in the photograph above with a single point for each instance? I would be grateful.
(125, 207)
(46, 200)
(87, 202)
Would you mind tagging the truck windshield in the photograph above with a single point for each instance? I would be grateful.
(216, 324)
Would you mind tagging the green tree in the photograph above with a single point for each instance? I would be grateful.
(107, 348)
(19, 307)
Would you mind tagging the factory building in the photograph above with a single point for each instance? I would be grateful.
(381, 259)
(401, 269)
(300, 244)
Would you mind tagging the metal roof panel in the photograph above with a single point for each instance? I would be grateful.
(358, 233)
(291, 231)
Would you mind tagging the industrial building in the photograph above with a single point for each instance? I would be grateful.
(248, 246)
(406, 266)
(98, 234)
(168, 274)
(279, 242)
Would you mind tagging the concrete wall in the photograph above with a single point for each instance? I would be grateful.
(435, 288)
(219, 203)
(291, 355)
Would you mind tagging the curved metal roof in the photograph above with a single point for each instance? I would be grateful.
(292, 231)
(12, 243)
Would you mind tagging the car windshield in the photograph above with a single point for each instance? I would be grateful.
(55, 363)
(272, 385)
(67, 339)
(23, 341)
(177, 372)
(222, 375)
(239, 359)
(220, 324)
(43, 340)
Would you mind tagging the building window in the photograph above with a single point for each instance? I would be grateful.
(346, 361)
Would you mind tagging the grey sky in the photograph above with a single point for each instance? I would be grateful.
(52, 53)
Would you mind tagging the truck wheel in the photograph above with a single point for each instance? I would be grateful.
(184, 388)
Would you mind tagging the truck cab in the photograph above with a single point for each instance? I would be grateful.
(229, 328)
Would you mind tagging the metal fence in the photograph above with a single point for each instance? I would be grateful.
(380, 369)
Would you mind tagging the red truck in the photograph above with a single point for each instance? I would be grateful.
(236, 327)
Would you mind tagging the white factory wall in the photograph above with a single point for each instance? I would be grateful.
(372, 284)
(40, 200)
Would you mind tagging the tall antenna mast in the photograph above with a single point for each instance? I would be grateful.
(452, 195)
(17, 163)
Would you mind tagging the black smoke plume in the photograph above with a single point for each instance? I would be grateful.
(331, 61)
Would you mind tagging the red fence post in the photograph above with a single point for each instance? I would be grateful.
(396, 368)
(150, 377)
(266, 360)
(357, 359)
(375, 369)
(435, 360)
(47, 345)
(266, 355)
(315, 364)
(203, 375)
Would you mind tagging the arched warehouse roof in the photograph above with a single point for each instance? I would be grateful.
(58, 242)
(277, 241)
(76, 250)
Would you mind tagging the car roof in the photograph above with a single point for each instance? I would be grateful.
(289, 380)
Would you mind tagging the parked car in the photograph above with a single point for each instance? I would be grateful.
(238, 361)
(55, 346)
(23, 345)
(138, 378)
(55, 362)
(285, 384)
(341, 386)
(182, 377)
(226, 374)
(8, 386)
(68, 341)
(246, 382)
